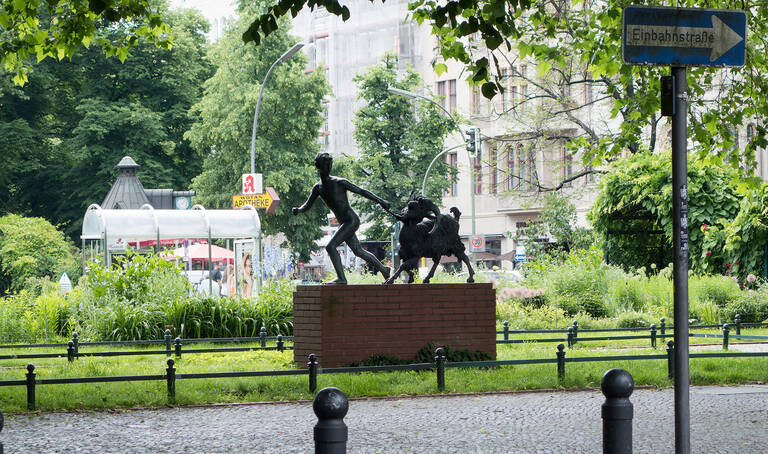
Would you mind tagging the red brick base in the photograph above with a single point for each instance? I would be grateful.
(348, 323)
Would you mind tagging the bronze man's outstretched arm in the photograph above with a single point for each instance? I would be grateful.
(365, 193)
(310, 200)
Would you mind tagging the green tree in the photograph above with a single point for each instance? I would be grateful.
(633, 211)
(33, 29)
(33, 248)
(397, 143)
(557, 221)
(86, 113)
(286, 138)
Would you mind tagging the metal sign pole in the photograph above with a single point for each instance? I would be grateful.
(680, 226)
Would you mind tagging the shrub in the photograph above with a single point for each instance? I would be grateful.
(32, 248)
(721, 290)
(633, 320)
(520, 316)
(752, 307)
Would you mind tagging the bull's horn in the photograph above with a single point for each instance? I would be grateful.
(433, 208)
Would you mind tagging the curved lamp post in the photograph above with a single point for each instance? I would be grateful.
(288, 54)
(409, 94)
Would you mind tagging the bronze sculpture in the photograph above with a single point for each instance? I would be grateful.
(427, 233)
(333, 190)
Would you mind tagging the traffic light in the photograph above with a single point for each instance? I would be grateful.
(471, 141)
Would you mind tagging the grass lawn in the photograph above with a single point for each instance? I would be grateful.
(200, 391)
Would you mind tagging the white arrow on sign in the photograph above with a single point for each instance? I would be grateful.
(720, 37)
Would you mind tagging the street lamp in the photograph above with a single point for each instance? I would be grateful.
(409, 94)
(288, 54)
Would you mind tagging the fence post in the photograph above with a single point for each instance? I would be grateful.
(570, 337)
(167, 342)
(31, 387)
(440, 367)
(280, 346)
(76, 342)
(726, 331)
(506, 331)
(575, 331)
(70, 351)
(737, 319)
(312, 367)
(330, 406)
(653, 335)
(560, 361)
(671, 359)
(177, 347)
(263, 336)
(617, 385)
(663, 327)
(170, 376)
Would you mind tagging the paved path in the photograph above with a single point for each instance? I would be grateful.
(725, 420)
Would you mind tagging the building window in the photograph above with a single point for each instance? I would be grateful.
(453, 163)
(565, 89)
(567, 171)
(478, 174)
(524, 82)
(511, 180)
(441, 93)
(452, 95)
(476, 100)
(493, 170)
(531, 171)
(505, 82)
(522, 180)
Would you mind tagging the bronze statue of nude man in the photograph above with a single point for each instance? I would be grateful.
(333, 191)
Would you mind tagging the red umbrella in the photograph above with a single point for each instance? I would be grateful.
(199, 252)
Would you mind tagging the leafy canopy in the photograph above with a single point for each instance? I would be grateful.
(397, 142)
(58, 28)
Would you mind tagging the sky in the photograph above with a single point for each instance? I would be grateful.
(211, 9)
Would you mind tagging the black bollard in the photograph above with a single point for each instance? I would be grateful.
(575, 332)
(263, 337)
(506, 331)
(726, 331)
(70, 351)
(31, 387)
(440, 367)
(2, 422)
(170, 377)
(177, 347)
(737, 320)
(330, 407)
(167, 338)
(570, 337)
(671, 359)
(617, 385)
(560, 361)
(663, 327)
(312, 368)
(279, 343)
(653, 336)
(76, 343)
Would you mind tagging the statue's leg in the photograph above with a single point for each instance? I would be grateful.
(341, 235)
(409, 265)
(435, 262)
(394, 276)
(463, 258)
(357, 249)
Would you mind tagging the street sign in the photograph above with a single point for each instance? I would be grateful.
(267, 201)
(520, 253)
(252, 183)
(683, 36)
(477, 244)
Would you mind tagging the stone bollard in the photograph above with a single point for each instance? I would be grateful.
(330, 407)
(617, 385)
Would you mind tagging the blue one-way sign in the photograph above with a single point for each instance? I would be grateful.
(683, 36)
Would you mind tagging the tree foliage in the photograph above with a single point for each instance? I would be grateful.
(75, 119)
(33, 248)
(397, 142)
(633, 211)
(286, 138)
(35, 29)
(557, 222)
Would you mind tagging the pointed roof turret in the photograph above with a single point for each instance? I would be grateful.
(127, 192)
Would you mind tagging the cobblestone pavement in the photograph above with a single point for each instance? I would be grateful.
(725, 420)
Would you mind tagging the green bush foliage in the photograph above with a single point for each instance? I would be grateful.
(32, 248)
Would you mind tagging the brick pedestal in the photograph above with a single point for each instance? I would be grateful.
(348, 323)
